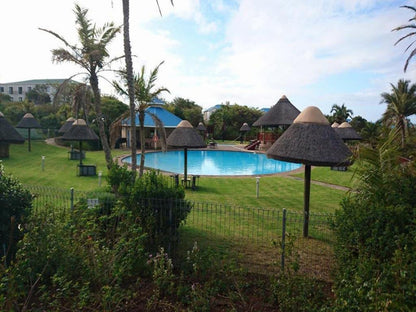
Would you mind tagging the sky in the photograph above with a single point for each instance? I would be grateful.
(249, 52)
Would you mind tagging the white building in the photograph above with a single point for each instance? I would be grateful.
(17, 90)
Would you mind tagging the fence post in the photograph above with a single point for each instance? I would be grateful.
(72, 199)
(170, 227)
(283, 238)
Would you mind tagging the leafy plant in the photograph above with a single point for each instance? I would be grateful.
(15, 203)
(376, 235)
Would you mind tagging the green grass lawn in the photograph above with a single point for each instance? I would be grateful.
(325, 174)
(58, 171)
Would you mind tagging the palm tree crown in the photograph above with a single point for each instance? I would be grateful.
(412, 28)
(401, 103)
(340, 113)
(92, 56)
(145, 91)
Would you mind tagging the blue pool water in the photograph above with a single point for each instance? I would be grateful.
(202, 162)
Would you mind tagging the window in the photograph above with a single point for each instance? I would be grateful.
(10, 90)
(1, 89)
(29, 89)
(20, 99)
(20, 90)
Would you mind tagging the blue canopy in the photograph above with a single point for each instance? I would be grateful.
(169, 120)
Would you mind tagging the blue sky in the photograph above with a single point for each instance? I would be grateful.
(319, 52)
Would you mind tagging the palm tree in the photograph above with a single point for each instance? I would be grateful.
(130, 79)
(340, 113)
(91, 55)
(144, 92)
(130, 82)
(412, 28)
(401, 103)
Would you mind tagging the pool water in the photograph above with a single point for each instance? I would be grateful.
(224, 163)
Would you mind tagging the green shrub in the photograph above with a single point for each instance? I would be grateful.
(158, 207)
(376, 237)
(68, 263)
(15, 203)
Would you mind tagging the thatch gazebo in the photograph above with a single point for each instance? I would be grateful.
(244, 129)
(347, 132)
(281, 114)
(80, 132)
(28, 122)
(8, 135)
(185, 136)
(67, 125)
(310, 140)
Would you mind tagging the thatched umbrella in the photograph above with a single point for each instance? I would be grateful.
(244, 129)
(310, 140)
(28, 122)
(185, 136)
(335, 125)
(80, 132)
(347, 132)
(8, 135)
(67, 125)
(281, 114)
(201, 127)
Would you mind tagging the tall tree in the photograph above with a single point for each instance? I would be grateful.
(92, 56)
(401, 103)
(186, 109)
(130, 77)
(130, 82)
(412, 28)
(340, 113)
(145, 91)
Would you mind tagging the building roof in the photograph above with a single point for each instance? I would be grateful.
(168, 119)
(36, 81)
(213, 108)
(282, 113)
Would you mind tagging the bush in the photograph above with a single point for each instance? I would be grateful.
(158, 207)
(68, 263)
(15, 203)
(376, 238)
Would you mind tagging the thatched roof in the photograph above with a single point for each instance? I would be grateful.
(8, 134)
(282, 113)
(28, 121)
(201, 127)
(79, 131)
(185, 136)
(245, 127)
(347, 132)
(67, 125)
(310, 140)
(335, 125)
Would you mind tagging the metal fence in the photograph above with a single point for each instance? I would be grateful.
(259, 235)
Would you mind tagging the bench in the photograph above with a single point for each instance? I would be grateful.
(212, 144)
(87, 170)
(74, 155)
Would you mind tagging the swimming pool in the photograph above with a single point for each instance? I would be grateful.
(224, 163)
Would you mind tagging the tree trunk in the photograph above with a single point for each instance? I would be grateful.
(130, 83)
(99, 118)
(142, 142)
